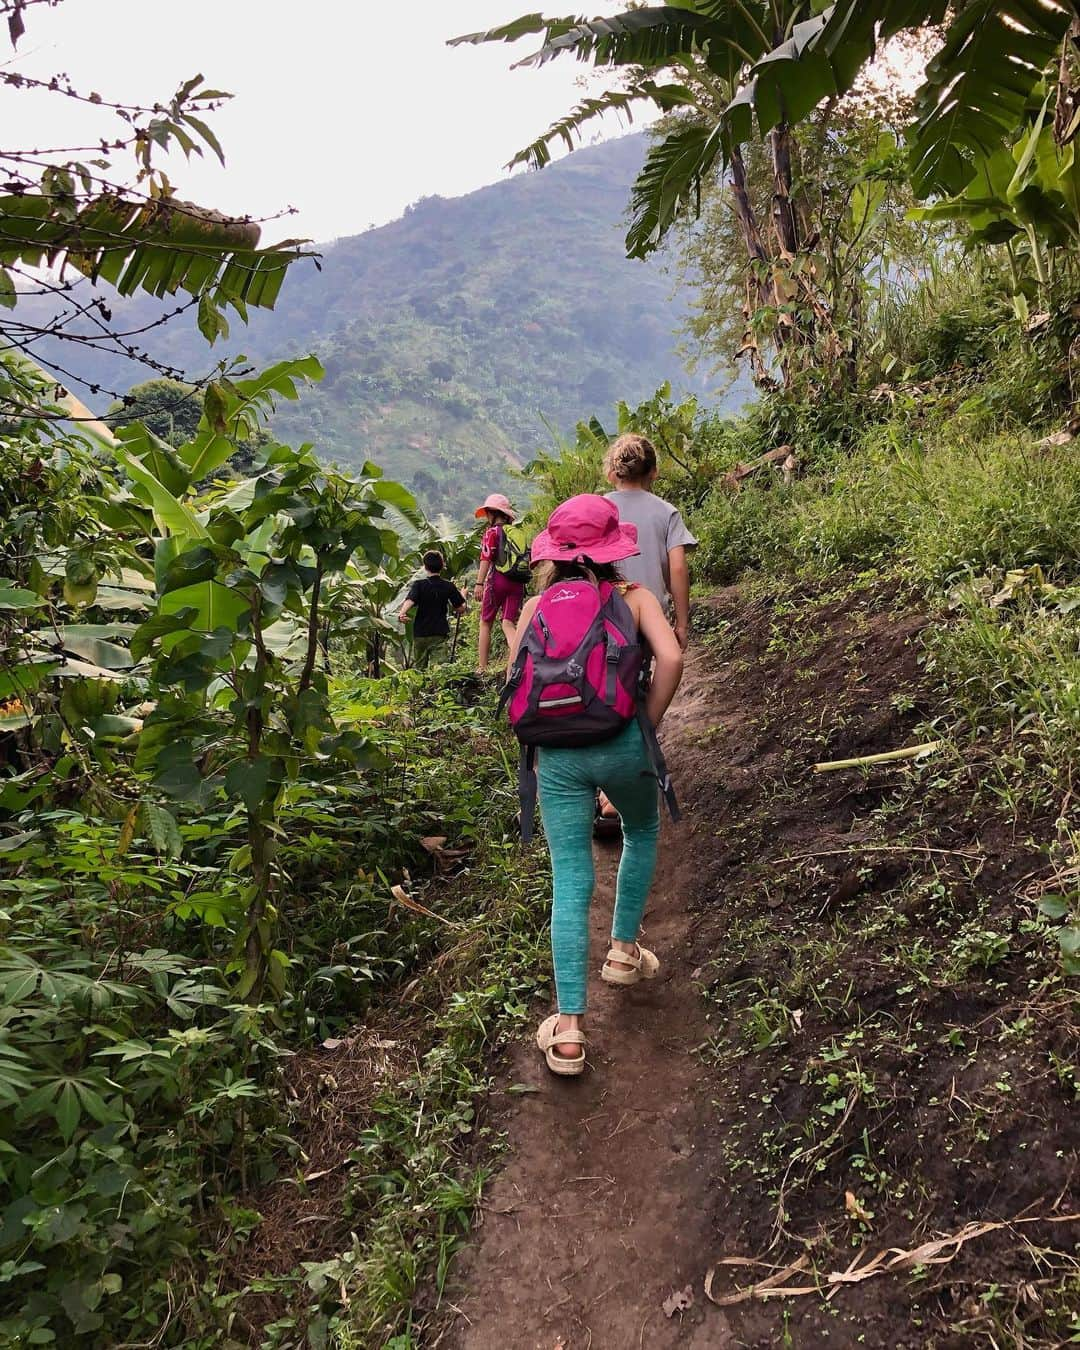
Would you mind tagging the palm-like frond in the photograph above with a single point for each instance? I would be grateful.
(979, 84)
(526, 26)
(667, 96)
(976, 89)
(822, 57)
(650, 37)
(668, 184)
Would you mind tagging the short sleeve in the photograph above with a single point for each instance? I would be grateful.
(490, 544)
(456, 598)
(677, 533)
(414, 592)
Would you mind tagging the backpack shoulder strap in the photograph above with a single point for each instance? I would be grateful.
(659, 764)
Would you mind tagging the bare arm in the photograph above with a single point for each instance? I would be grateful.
(525, 618)
(657, 632)
(679, 574)
(403, 612)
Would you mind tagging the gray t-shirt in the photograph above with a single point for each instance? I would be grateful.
(660, 528)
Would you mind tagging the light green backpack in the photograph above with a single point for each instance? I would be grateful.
(512, 553)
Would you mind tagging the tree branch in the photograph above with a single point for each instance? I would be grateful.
(313, 628)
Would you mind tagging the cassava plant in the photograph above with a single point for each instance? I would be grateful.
(238, 670)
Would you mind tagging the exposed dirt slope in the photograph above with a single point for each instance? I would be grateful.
(855, 998)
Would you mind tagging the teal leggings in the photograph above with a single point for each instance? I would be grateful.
(568, 780)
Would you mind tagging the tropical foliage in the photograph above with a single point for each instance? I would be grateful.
(176, 763)
(108, 214)
(446, 335)
(214, 764)
(990, 129)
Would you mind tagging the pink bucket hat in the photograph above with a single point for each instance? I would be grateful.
(585, 527)
(495, 501)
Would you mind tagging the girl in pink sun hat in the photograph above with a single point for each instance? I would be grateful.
(584, 542)
(503, 573)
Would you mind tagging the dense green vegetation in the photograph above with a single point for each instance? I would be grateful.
(223, 798)
(889, 954)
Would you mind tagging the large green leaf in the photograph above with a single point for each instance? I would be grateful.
(175, 770)
(287, 639)
(86, 641)
(173, 516)
(115, 598)
(249, 780)
(821, 57)
(162, 248)
(75, 668)
(978, 86)
(234, 410)
(1011, 191)
(17, 597)
(160, 626)
(157, 456)
(214, 605)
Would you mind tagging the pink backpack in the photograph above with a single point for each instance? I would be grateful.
(577, 680)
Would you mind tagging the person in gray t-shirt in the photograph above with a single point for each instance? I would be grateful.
(661, 566)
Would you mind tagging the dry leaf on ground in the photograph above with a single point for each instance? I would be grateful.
(934, 1253)
(678, 1302)
(855, 1207)
(404, 898)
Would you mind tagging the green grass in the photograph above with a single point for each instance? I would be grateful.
(931, 505)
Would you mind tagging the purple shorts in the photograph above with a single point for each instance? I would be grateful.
(502, 594)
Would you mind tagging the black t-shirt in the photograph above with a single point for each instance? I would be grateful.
(433, 596)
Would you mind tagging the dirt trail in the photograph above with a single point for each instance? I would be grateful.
(824, 917)
(598, 1216)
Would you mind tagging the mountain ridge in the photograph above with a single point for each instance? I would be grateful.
(452, 335)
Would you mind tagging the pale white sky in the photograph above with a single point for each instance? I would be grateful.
(346, 109)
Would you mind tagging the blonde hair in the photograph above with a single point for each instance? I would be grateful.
(630, 458)
(548, 572)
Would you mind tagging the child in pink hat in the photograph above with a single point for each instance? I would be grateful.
(499, 586)
(585, 540)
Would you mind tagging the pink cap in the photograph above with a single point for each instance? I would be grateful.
(585, 527)
(495, 501)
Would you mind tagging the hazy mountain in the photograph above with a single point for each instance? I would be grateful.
(448, 335)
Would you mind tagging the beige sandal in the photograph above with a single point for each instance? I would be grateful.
(547, 1037)
(643, 966)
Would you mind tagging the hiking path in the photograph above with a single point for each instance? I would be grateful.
(596, 1218)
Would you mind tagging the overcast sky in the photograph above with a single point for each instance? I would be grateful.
(347, 110)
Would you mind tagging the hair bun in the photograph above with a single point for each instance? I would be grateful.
(630, 457)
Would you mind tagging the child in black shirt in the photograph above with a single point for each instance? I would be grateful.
(432, 596)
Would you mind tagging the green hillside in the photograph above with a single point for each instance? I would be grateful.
(449, 335)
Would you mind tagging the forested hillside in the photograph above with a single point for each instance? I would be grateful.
(450, 335)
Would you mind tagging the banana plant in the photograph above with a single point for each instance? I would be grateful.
(759, 67)
(1025, 197)
(694, 62)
